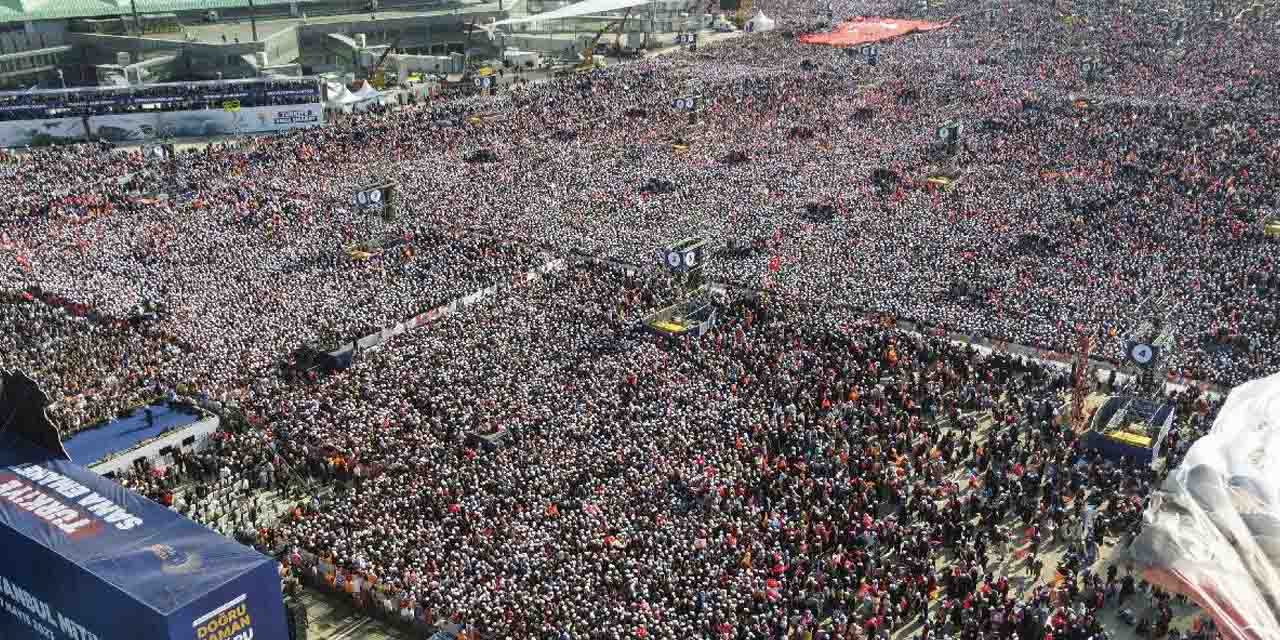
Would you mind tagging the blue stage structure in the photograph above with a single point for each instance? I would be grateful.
(123, 434)
(85, 559)
(1130, 427)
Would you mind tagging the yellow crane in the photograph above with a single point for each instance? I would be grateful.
(588, 55)
(744, 12)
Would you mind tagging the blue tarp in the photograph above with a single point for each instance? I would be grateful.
(82, 558)
(123, 434)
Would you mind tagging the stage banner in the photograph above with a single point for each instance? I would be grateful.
(85, 558)
(141, 127)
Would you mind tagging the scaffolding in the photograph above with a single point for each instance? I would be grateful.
(1080, 381)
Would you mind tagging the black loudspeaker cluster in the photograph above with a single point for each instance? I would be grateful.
(481, 156)
(885, 180)
(801, 133)
(657, 186)
(816, 212)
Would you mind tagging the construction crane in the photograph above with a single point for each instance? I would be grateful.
(484, 71)
(466, 44)
(744, 12)
(373, 70)
(588, 55)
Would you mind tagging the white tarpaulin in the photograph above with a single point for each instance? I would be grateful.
(571, 11)
(1212, 531)
(759, 23)
(367, 92)
(340, 96)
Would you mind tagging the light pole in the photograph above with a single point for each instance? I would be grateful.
(253, 20)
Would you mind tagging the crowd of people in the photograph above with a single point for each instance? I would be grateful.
(1059, 214)
(93, 370)
(794, 471)
(538, 465)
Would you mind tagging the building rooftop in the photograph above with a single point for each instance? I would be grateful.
(22, 10)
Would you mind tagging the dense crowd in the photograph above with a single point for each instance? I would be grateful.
(794, 471)
(93, 370)
(539, 466)
(1060, 216)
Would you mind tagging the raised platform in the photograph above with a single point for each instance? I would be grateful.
(1131, 427)
(696, 314)
(117, 444)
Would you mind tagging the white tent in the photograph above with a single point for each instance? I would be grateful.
(760, 22)
(339, 96)
(366, 93)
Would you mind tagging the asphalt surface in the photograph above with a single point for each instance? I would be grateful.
(333, 618)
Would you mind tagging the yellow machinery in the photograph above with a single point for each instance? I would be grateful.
(373, 75)
(1271, 227)
(744, 12)
(589, 54)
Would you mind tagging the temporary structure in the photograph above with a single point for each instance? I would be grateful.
(760, 22)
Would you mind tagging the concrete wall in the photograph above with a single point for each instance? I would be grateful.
(157, 69)
(184, 60)
(522, 58)
(17, 41)
(544, 44)
(96, 44)
(324, 48)
(310, 45)
(428, 64)
(283, 47)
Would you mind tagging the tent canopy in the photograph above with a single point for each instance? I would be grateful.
(760, 22)
(340, 96)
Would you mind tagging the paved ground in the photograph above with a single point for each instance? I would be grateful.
(332, 618)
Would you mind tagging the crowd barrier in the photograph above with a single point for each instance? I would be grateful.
(342, 357)
(1175, 381)
(369, 595)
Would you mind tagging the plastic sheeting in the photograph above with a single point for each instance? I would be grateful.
(340, 96)
(571, 11)
(1212, 531)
